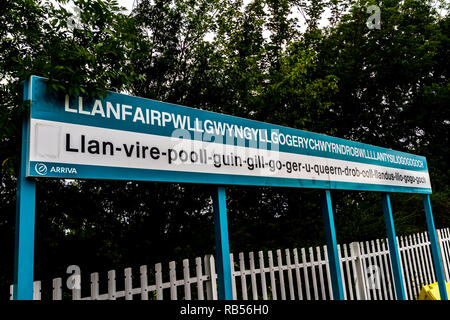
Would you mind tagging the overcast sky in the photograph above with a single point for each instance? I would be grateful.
(126, 3)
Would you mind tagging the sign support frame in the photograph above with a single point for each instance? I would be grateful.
(437, 262)
(223, 263)
(332, 249)
(25, 227)
(393, 247)
(25, 219)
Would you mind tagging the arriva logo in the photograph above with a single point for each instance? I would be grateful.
(63, 170)
(41, 169)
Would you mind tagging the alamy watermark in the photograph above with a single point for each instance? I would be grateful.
(373, 277)
(74, 280)
(74, 21)
(374, 21)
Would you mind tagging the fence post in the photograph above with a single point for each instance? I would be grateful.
(198, 275)
(158, 281)
(111, 285)
(233, 277)
(211, 286)
(144, 282)
(95, 292)
(76, 289)
(173, 280)
(128, 284)
(57, 289)
(36, 290)
(243, 276)
(187, 280)
(441, 248)
(355, 252)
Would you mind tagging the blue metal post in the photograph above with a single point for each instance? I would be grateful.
(222, 245)
(25, 218)
(333, 254)
(437, 262)
(393, 247)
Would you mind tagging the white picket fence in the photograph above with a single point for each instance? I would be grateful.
(289, 274)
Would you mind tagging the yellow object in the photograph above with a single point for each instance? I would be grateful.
(431, 292)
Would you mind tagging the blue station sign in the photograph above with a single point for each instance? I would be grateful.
(132, 138)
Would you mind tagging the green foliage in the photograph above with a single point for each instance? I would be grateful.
(36, 38)
(393, 90)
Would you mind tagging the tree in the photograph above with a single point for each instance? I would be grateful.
(36, 38)
(387, 87)
(393, 91)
